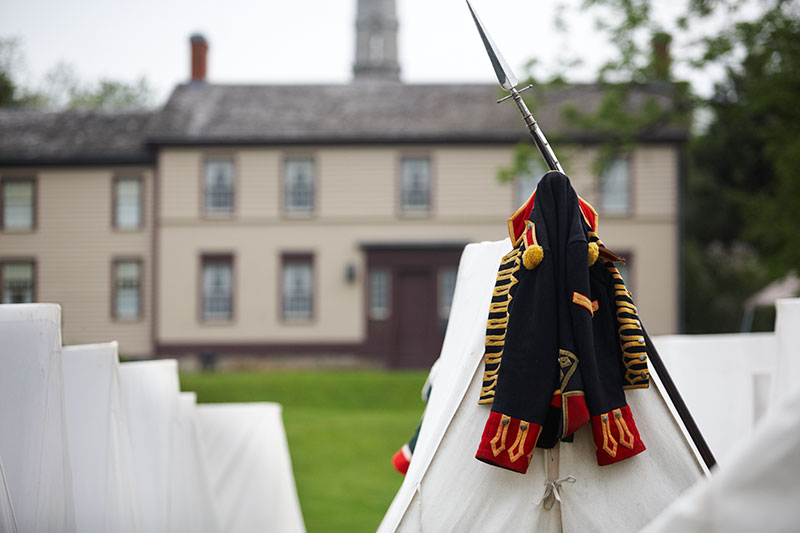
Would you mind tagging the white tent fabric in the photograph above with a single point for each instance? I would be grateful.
(787, 364)
(725, 381)
(249, 467)
(447, 489)
(756, 490)
(192, 507)
(99, 443)
(150, 401)
(8, 524)
(33, 443)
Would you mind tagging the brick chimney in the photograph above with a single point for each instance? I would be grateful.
(199, 52)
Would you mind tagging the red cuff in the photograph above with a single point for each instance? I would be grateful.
(402, 459)
(576, 414)
(508, 442)
(615, 436)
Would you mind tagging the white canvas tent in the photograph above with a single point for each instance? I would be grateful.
(8, 524)
(144, 456)
(33, 443)
(106, 497)
(192, 506)
(725, 381)
(447, 489)
(756, 488)
(150, 402)
(249, 467)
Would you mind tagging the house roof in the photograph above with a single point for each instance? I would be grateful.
(74, 137)
(370, 113)
(373, 113)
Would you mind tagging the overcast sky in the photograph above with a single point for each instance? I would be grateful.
(287, 41)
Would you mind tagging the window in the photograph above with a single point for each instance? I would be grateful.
(18, 204)
(217, 288)
(415, 184)
(447, 288)
(614, 188)
(526, 183)
(379, 294)
(376, 49)
(625, 271)
(128, 203)
(298, 287)
(219, 185)
(127, 289)
(299, 185)
(18, 286)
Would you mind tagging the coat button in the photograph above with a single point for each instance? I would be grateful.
(642, 357)
(641, 340)
(504, 421)
(523, 427)
(617, 415)
(605, 418)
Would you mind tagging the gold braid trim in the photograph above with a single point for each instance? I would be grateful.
(623, 430)
(497, 322)
(519, 443)
(502, 431)
(609, 444)
(631, 335)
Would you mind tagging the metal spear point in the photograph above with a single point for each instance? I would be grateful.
(508, 81)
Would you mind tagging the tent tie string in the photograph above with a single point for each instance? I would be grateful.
(551, 491)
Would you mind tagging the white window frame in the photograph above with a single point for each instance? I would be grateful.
(217, 292)
(216, 189)
(416, 184)
(614, 188)
(5, 268)
(300, 183)
(447, 289)
(127, 216)
(526, 183)
(20, 217)
(380, 293)
(127, 287)
(297, 289)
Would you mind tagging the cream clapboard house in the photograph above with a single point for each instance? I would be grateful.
(276, 220)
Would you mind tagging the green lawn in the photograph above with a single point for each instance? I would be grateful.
(342, 426)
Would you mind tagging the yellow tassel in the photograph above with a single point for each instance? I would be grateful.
(594, 253)
(532, 256)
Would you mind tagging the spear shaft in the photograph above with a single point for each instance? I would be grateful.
(508, 81)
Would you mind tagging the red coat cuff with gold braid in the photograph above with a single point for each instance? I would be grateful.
(615, 436)
(508, 442)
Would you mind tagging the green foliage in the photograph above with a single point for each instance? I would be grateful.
(63, 89)
(111, 94)
(343, 428)
(718, 280)
(742, 191)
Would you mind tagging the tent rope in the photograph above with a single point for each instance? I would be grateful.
(551, 491)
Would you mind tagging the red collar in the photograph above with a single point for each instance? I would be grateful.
(516, 224)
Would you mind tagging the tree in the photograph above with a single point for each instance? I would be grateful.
(743, 188)
(62, 88)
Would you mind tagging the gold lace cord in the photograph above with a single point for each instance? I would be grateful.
(500, 436)
(625, 435)
(519, 443)
(607, 437)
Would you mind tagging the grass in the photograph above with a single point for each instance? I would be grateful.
(342, 427)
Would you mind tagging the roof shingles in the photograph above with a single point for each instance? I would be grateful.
(204, 114)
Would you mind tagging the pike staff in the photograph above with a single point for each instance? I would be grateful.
(508, 81)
